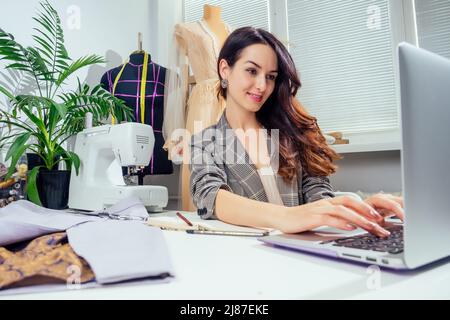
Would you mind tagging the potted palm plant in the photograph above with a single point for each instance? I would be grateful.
(43, 121)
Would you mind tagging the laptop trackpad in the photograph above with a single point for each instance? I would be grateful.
(322, 234)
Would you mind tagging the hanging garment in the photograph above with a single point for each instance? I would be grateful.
(196, 47)
(140, 83)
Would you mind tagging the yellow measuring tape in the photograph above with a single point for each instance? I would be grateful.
(143, 87)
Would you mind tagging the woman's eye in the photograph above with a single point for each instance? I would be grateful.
(251, 71)
(271, 77)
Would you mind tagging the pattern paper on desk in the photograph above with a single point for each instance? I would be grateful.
(23, 220)
(169, 221)
(121, 250)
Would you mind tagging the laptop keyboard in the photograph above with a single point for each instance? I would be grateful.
(392, 244)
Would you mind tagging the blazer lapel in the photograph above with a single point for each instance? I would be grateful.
(236, 159)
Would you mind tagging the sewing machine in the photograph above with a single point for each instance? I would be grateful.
(103, 150)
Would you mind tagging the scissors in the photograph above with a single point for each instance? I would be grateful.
(107, 215)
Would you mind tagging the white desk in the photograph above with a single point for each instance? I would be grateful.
(225, 267)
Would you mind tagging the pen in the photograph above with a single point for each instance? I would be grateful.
(184, 219)
(230, 233)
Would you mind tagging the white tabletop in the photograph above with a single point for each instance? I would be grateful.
(227, 267)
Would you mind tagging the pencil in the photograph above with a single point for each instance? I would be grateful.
(184, 219)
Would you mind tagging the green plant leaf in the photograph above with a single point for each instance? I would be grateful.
(75, 159)
(39, 65)
(78, 64)
(47, 24)
(17, 144)
(15, 157)
(99, 102)
(17, 66)
(49, 40)
(10, 49)
(32, 190)
(69, 157)
(37, 121)
(31, 103)
(9, 137)
(57, 112)
(62, 109)
(13, 51)
(8, 94)
(44, 40)
(11, 123)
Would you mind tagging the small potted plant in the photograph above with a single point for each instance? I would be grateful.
(42, 122)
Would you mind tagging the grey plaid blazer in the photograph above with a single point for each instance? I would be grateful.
(219, 161)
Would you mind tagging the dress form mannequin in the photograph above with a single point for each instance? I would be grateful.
(125, 82)
(212, 16)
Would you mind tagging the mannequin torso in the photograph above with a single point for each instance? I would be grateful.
(126, 82)
(211, 15)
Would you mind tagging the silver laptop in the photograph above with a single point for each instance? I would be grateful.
(425, 125)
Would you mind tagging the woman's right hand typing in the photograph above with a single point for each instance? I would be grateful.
(342, 212)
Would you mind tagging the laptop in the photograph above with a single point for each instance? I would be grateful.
(424, 237)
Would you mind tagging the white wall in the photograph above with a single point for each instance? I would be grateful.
(100, 27)
(170, 12)
(369, 172)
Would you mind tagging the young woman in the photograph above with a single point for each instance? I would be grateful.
(234, 176)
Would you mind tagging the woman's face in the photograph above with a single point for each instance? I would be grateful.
(251, 80)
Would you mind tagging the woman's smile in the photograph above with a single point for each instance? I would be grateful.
(255, 97)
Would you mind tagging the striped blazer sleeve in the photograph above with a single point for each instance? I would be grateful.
(316, 188)
(207, 177)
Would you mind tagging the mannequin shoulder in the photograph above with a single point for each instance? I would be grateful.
(159, 67)
(181, 28)
(104, 78)
(114, 71)
(111, 73)
(187, 28)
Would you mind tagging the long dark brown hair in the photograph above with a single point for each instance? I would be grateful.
(301, 141)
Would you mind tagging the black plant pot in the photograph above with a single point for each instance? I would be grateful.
(53, 188)
(34, 160)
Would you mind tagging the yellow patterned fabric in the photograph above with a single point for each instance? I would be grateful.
(47, 259)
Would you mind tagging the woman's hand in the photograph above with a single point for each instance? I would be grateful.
(387, 205)
(343, 212)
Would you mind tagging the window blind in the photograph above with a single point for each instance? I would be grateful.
(344, 55)
(237, 14)
(433, 25)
